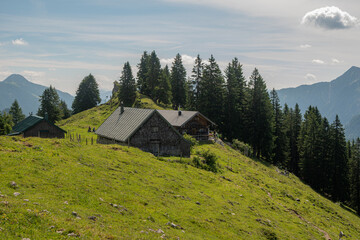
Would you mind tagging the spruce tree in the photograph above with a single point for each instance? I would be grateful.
(6, 123)
(64, 111)
(153, 75)
(280, 140)
(87, 95)
(354, 176)
(127, 93)
(212, 93)
(142, 82)
(16, 112)
(260, 116)
(50, 105)
(339, 161)
(235, 101)
(163, 91)
(178, 82)
(196, 78)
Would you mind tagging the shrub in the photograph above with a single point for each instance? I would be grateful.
(242, 147)
(193, 142)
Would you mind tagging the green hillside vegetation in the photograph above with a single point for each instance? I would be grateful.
(55, 188)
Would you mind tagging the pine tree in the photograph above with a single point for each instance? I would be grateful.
(164, 89)
(142, 82)
(235, 101)
(50, 105)
(212, 93)
(16, 112)
(127, 93)
(153, 75)
(260, 117)
(178, 82)
(87, 95)
(280, 140)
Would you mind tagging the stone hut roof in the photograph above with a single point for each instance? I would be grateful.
(178, 120)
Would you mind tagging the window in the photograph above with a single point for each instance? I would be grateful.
(155, 129)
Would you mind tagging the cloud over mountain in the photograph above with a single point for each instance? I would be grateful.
(19, 41)
(330, 18)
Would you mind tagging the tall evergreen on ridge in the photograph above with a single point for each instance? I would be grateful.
(164, 89)
(339, 162)
(127, 93)
(235, 101)
(280, 141)
(212, 93)
(354, 175)
(178, 82)
(87, 95)
(16, 112)
(142, 84)
(197, 76)
(153, 75)
(260, 116)
(50, 105)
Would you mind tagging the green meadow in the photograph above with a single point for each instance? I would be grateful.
(62, 189)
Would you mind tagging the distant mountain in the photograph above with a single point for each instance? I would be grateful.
(340, 96)
(27, 94)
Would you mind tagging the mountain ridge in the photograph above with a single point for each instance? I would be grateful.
(337, 97)
(26, 93)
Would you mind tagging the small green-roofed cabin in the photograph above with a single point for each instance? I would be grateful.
(36, 126)
(146, 129)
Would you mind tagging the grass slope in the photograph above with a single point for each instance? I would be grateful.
(117, 192)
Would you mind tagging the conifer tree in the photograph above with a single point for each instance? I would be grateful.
(50, 105)
(212, 92)
(164, 89)
(260, 117)
(16, 112)
(87, 95)
(354, 176)
(178, 82)
(235, 101)
(339, 161)
(197, 75)
(6, 123)
(143, 66)
(280, 141)
(152, 75)
(127, 93)
(64, 111)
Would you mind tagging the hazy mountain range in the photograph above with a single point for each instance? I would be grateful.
(340, 96)
(27, 94)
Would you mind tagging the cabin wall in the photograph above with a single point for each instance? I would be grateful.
(45, 130)
(197, 127)
(157, 137)
(104, 140)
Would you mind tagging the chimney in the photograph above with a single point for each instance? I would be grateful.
(121, 108)
(179, 111)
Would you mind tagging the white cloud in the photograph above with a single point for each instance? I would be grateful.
(335, 61)
(19, 42)
(5, 74)
(329, 18)
(318, 61)
(311, 77)
(305, 46)
(186, 60)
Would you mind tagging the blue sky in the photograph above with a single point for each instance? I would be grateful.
(290, 42)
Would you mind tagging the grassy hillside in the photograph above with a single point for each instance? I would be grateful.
(57, 189)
